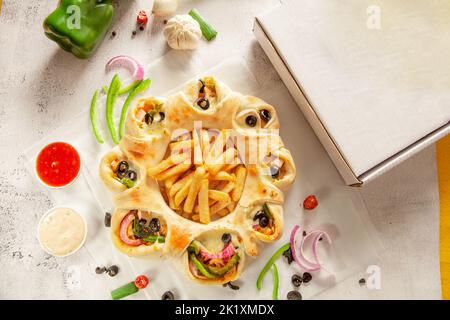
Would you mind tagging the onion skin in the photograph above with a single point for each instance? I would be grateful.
(129, 218)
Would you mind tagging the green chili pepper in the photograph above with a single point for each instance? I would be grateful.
(127, 182)
(123, 291)
(267, 210)
(142, 86)
(78, 26)
(201, 267)
(129, 87)
(111, 97)
(276, 281)
(227, 267)
(269, 264)
(94, 118)
(105, 89)
(159, 239)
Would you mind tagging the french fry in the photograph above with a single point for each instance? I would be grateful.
(219, 196)
(228, 187)
(203, 202)
(196, 217)
(217, 207)
(183, 192)
(223, 176)
(198, 155)
(241, 173)
(168, 183)
(216, 149)
(181, 145)
(174, 171)
(180, 183)
(232, 206)
(169, 162)
(222, 160)
(172, 203)
(205, 143)
(223, 212)
(193, 189)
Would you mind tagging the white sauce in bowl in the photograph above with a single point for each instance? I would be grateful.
(62, 231)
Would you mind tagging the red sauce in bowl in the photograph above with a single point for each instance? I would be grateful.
(58, 164)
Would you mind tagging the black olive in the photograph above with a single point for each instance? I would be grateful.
(148, 118)
(107, 219)
(304, 233)
(141, 28)
(264, 222)
(307, 277)
(259, 215)
(142, 222)
(203, 103)
(288, 255)
(226, 238)
(251, 120)
(154, 225)
(265, 115)
(294, 295)
(113, 270)
(202, 86)
(296, 280)
(168, 295)
(231, 286)
(162, 116)
(132, 175)
(100, 270)
(122, 167)
(274, 171)
(362, 281)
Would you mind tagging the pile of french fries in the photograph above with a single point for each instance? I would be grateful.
(202, 178)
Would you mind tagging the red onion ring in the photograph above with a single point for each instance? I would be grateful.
(224, 255)
(129, 63)
(129, 218)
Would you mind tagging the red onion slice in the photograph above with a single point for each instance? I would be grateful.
(129, 63)
(224, 255)
(123, 230)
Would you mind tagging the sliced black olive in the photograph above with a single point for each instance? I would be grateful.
(294, 295)
(100, 270)
(251, 120)
(122, 167)
(202, 86)
(265, 115)
(107, 219)
(148, 118)
(154, 225)
(274, 171)
(162, 116)
(296, 280)
(288, 255)
(168, 295)
(306, 277)
(132, 175)
(203, 103)
(226, 238)
(142, 222)
(231, 286)
(113, 270)
(362, 281)
(259, 215)
(263, 221)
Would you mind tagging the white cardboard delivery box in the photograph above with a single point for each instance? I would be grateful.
(371, 77)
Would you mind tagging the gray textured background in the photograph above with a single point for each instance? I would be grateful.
(37, 78)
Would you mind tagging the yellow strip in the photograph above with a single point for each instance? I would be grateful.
(443, 160)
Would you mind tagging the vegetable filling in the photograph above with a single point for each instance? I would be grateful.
(136, 230)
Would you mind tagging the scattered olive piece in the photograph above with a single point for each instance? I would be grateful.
(320, 239)
(304, 233)
(294, 295)
(226, 238)
(274, 171)
(251, 120)
(263, 221)
(306, 277)
(141, 28)
(114, 33)
(296, 280)
(142, 222)
(154, 225)
(202, 86)
(100, 270)
(203, 103)
(107, 220)
(165, 21)
(231, 286)
(168, 295)
(288, 255)
(113, 270)
(123, 167)
(265, 115)
(148, 118)
(132, 175)
(134, 32)
(362, 281)
(162, 116)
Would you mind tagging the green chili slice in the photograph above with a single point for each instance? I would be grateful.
(152, 238)
(110, 101)
(142, 86)
(269, 264)
(94, 117)
(129, 87)
(276, 281)
(201, 267)
(267, 210)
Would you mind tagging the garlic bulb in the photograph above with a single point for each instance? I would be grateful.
(182, 32)
(165, 7)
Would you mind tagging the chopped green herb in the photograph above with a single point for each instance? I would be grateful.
(94, 117)
(207, 30)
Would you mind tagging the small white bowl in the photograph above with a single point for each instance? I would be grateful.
(73, 251)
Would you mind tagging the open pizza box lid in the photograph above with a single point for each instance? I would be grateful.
(373, 79)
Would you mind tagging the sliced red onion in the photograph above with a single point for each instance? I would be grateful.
(129, 63)
(224, 255)
(123, 230)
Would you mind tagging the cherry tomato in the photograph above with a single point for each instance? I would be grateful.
(310, 202)
(141, 282)
(142, 17)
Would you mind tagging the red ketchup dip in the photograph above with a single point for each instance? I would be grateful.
(58, 164)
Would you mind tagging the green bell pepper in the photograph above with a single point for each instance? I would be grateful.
(78, 26)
